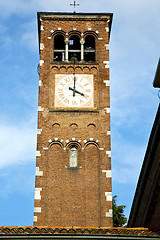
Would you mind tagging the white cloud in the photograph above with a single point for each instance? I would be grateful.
(20, 8)
(29, 36)
(5, 39)
(9, 7)
(6, 43)
(126, 162)
(138, 10)
(135, 33)
(18, 143)
(3, 28)
(131, 94)
(17, 179)
(23, 8)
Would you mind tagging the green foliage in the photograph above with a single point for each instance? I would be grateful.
(119, 218)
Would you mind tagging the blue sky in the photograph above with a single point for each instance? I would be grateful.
(134, 53)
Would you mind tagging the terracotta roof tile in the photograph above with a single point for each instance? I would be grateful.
(80, 231)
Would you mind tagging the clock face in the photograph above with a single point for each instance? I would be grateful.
(68, 96)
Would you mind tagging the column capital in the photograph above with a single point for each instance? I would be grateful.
(82, 41)
(66, 41)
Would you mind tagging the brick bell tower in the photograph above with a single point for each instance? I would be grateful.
(73, 164)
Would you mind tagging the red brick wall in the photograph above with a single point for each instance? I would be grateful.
(73, 197)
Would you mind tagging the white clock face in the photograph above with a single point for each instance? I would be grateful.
(66, 95)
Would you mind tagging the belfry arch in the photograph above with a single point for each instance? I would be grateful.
(59, 48)
(89, 48)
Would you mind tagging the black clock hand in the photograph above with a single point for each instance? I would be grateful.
(74, 90)
(74, 86)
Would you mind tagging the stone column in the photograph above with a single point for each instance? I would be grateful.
(66, 49)
(82, 49)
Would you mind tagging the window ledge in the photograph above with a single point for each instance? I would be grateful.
(73, 168)
(76, 63)
(75, 110)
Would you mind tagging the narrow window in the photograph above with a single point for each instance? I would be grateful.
(59, 48)
(74, 48)
(73, 157)
(89, 48)
(71, 42)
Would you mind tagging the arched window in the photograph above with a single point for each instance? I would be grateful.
(74, 48)
(73, 157)
(59, 48)
(89, 48)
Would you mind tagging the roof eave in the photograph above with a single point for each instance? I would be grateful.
(156, 82)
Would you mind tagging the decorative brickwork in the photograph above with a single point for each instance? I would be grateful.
(66, 195)
(109, 233)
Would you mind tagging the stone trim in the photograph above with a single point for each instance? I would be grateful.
(39, 131)
(107, 83)
(41, 46)
(110, 213)
(108, 153)
(40, 109)
(107, 29)
(108, 196)
(38, 193)
(107, 110)
(37, 209)
(42, 27)
(107, 46)
(106, 64)
(45, 148)
(35, 219)
(41, 62)
(40, 83)
(108, 173)
(39, 173)
(38, 154)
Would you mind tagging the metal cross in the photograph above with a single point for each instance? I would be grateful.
(74, 4)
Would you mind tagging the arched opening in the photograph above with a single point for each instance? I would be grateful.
(73, 126)
(73, 157)
(59, 48)
(56, 127)
(74, 48)
(91, 126)
(89, 48)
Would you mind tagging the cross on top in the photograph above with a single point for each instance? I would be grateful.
(74, 4)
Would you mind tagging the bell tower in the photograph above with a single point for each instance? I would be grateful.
(73, 162)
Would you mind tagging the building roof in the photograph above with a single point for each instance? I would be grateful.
(156, 82)
(145, 211)
(78, 233)
(74, 15)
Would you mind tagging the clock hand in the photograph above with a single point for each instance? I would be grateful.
(74, 86)
(74, 90)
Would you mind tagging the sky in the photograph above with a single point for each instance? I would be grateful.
(134, 54)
